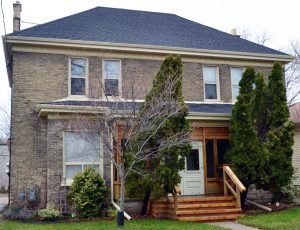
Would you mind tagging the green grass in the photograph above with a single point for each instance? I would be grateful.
(107, 225)
(287, 220)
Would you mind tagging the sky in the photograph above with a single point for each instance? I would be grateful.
(278, 19)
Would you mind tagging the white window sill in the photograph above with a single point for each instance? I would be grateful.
(212, 101)
(77, 97)
(67, 184)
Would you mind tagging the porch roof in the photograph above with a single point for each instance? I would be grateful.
(125, 105)
(196, 109)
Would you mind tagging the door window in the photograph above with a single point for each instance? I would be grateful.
(192, 160)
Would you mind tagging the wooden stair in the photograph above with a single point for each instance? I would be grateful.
(206, 208)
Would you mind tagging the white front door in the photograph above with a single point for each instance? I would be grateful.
(192, 177)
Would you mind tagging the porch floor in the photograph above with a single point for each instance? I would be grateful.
(197, 208)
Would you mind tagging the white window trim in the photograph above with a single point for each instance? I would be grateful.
(120, 79)
(217, 83)
(240, 67)
(66, 182)
(86, 79)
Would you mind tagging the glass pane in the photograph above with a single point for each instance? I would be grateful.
(82, 147)
(94, 166)
(210, 165)
(111, 87)
(112, 69)
(210, 91)
(192, 160)
(78, 67)
(77, 86)
(210, 74)
(236, 75)
(223, 146)
(71, 170)
(235, 92)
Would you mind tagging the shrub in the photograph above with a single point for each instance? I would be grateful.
(112, 212)
(50, 213)
(88, 193)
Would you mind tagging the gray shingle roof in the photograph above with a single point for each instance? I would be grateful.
(102, 24)
(193, 107)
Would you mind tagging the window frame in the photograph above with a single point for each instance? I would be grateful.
(243, 70)
(86, 87)
(67, 182)
(119, 79)
(217, 83)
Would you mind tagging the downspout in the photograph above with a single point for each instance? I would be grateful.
(112, 193)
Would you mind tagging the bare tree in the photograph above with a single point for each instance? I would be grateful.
(292, 73)
(4, 123)
(125, 133)
(292, 70)
(261, 38)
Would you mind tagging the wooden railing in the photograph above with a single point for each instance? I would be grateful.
(232, 183)
(176, 191)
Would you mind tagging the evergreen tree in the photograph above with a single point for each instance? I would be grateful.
(259, 110)
(277, 102)
(279, 141)
(162, 172)
(244, 150)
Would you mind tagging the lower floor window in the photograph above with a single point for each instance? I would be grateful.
(81, 150)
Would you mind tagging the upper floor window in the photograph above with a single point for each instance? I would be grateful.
(211, 82)
(78, 76)
(236, 75)
(112, 77)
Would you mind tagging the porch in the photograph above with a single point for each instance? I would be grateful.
(217, 207)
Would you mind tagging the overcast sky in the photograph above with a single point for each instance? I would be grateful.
(279, 19)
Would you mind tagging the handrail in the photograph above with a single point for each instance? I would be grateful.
(239, 187)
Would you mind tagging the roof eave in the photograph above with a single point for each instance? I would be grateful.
(146, 48)
(209, 116)
(7, 56)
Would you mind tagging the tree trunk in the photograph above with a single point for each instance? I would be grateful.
(145, 202)
(120, 219)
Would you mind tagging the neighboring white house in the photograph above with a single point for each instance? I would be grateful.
(295, 117)
(4, 160)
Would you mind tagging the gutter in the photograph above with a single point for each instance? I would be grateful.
(112, 193)
(208, 116)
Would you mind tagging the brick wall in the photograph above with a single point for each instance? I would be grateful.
(36, 78)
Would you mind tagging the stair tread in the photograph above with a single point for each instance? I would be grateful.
(208, 211)
(206, 205)
(210, 217)
(197, 199)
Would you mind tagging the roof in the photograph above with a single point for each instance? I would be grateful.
(124, 26)
(295, 113)
(221, 109)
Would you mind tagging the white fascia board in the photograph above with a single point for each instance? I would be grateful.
(147, 48)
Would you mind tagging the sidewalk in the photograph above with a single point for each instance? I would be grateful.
(3, 201)
(233, 225)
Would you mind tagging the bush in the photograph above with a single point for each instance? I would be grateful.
(50, 213)
(88, 193)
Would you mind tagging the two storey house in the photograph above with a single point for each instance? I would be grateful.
(54, 69)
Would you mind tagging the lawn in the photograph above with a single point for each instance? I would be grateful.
(132, 225)
(287, 220)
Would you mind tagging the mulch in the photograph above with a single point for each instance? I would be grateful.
(253, 210)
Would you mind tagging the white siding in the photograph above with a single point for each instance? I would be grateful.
(296, 157)
(4, 159)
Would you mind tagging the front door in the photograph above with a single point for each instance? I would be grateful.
(192, 177)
